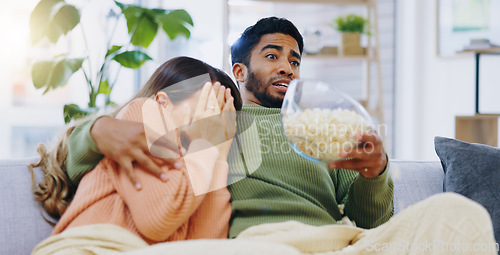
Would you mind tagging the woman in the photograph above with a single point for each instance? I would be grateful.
(190, 203)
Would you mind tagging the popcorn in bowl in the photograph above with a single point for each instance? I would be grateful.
(323, 133)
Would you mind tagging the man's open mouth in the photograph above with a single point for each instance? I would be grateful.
(281, 83)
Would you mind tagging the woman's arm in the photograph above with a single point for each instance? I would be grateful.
(160, 208)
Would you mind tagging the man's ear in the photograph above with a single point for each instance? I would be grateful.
(162, 98)
(239, 72)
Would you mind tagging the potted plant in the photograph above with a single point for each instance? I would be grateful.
(351, 27)
(51, 19)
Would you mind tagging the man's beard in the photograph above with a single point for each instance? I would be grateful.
(265, 98)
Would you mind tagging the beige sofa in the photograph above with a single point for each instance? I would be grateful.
(22, 226)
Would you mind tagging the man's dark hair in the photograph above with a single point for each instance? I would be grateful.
(240, 51)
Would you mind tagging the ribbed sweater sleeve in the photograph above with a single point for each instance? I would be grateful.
(161, 211)
(370, 200)
(83, 154)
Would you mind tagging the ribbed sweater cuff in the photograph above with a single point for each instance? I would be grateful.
(83, 154)
(374, 184)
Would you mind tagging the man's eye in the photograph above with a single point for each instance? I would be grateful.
(295, 63)
(271, 56)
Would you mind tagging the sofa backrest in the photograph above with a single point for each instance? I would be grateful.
(21, 224)
(415, 181)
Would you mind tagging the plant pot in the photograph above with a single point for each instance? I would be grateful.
(351, 44)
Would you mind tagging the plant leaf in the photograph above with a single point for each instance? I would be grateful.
(183, 15)
(175, 23)
(62, 71)
(55, 73)
(113, 49)
(104, 88)
(51, 19)
(132, 59)
(142, 25)
(40, 73)
(111, 104)
(122, 6)
(351, 23)
(40, 18)
(67, 18)
(73, 111)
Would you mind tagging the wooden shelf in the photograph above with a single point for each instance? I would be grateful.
(331, 53)
(492, 50)
(333, 57)
(335, 2)
(480, 128)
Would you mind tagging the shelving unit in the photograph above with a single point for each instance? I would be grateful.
(372, 50)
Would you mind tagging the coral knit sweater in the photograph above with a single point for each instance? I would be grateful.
(161, 211)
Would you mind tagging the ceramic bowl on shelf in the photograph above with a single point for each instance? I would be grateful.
(320, 121)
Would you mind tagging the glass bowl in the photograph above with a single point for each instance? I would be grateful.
(320, 121)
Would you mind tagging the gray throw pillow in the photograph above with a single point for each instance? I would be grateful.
(472, 170)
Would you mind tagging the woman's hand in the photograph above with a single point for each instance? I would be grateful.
(214, 118)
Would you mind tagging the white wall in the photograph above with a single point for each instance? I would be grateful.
(430, 90)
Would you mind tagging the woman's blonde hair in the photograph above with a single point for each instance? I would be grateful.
(56, 191)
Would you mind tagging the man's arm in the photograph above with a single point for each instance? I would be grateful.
(369, 200)
(120, 140)
(83, 154)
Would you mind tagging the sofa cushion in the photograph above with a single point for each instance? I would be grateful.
(472, 170)
(21, 225)
(415, 181)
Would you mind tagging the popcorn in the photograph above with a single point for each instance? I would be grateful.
(324, 133)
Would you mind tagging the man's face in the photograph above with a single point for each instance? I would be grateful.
(274, 62)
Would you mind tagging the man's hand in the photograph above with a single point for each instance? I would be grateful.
(368, 158)
(125, 143)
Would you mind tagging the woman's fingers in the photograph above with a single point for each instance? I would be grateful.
(220, 96)
(229, 115)
(202, 102)
(212, 104)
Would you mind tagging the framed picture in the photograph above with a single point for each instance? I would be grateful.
(460, 21)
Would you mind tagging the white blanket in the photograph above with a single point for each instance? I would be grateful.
(275, 238)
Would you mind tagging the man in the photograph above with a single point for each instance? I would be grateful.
(266, 58)
(284, 186)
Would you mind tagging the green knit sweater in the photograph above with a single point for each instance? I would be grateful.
(288, 187)
(280, 186)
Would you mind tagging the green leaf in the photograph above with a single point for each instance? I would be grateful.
(111, 104)
(62, 71)
(40, 72)
(104, 88)
(175, 23)
(113, 49)
(51, 19)
(132, 59)
(122, 6)
(67, 18)
(73, 111)
(55, 73)
(142, 25)
(183, 15)
(157, 12)
(40, 18)
(351, 23)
